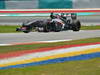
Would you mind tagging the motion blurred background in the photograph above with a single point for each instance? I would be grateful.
(87, 18)
(34, 4)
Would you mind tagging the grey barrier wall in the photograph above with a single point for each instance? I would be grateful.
(22, 4)
(31, 4)
(86, 3)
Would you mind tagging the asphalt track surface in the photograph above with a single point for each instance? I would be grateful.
(14, 20)
(6, 38)
(12, 38)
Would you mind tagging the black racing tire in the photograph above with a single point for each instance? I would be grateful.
(46, 29)
(76, 25)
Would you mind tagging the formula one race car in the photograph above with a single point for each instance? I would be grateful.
(56, 23)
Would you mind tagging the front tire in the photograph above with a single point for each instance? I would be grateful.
(76, 25)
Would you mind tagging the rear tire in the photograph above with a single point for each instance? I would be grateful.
(46, 28)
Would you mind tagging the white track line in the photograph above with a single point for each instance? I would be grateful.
(51, 41)
(56, 40)
(5, 44)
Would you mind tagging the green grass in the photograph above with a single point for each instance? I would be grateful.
(12, 29)
(90, 27)
(8, 29)
(83, 67)
(6, 49)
